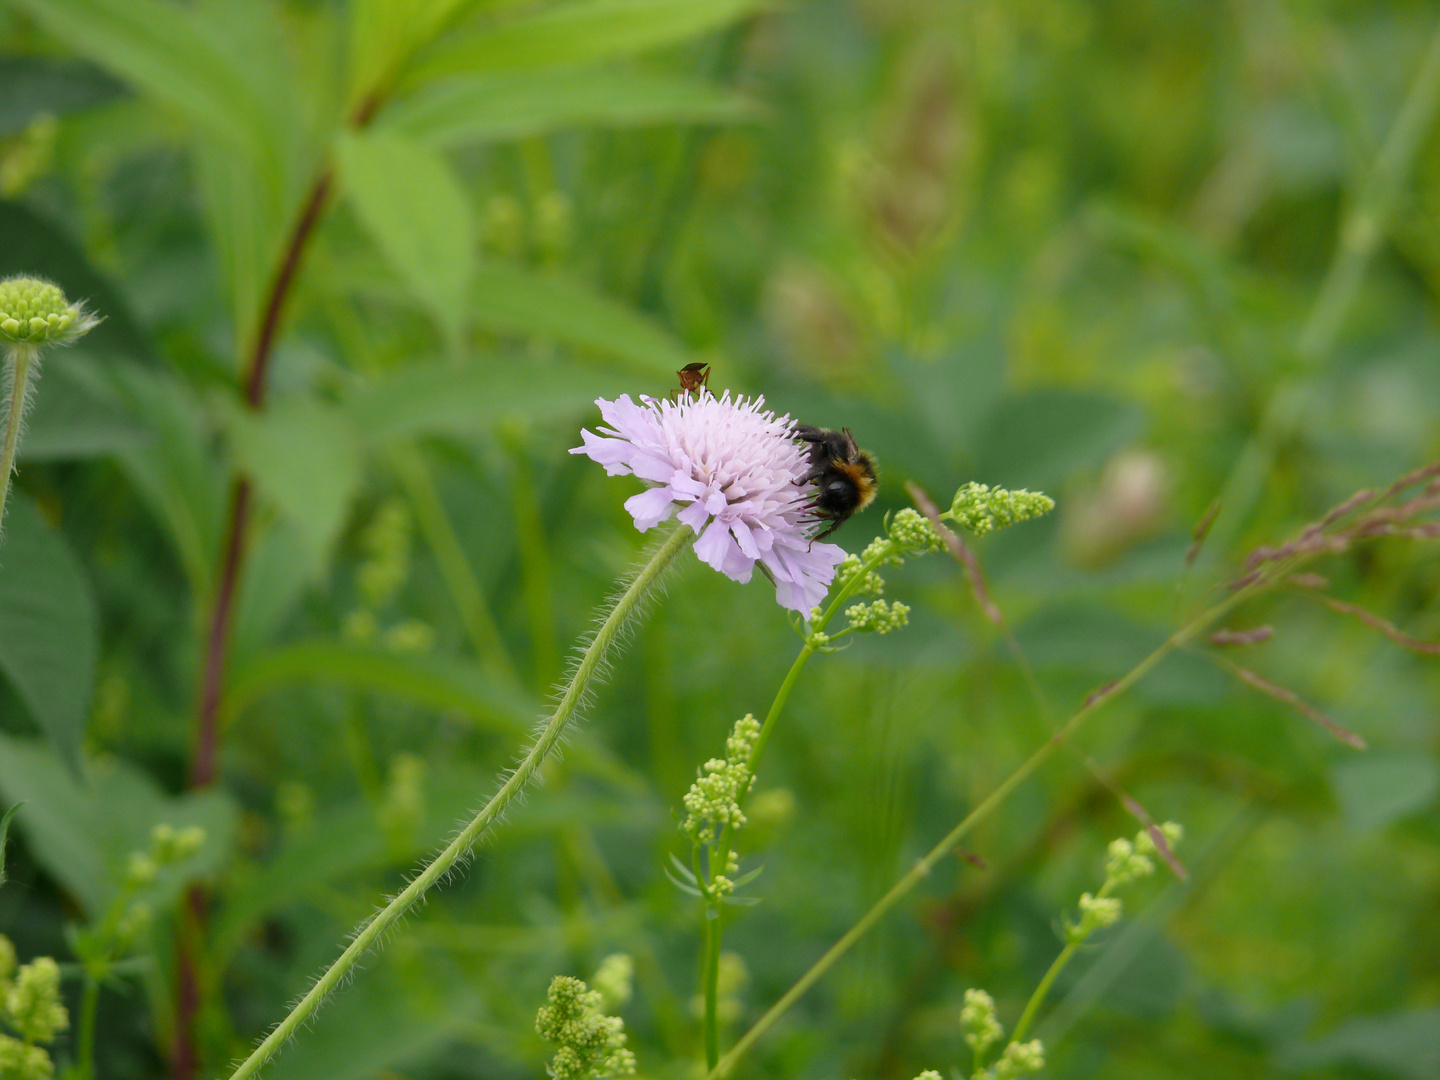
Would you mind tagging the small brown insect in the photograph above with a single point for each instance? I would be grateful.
(694, 378)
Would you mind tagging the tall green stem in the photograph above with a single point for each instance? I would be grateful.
(89, 1007)
(18, 359)
(1038, 997)
(712, 986)
(625, 607)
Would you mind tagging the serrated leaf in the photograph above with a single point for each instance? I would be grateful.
(489, 108)
(411, 204)
(304, 458)
(49, 627)
(443, 399)
(577, 33)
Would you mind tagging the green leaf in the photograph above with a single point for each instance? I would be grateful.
(174, 471)
(1400, 1045)
(276, 574)
(49, 627)
(32, 85)
(442, 399)
(413, 207)
(75, 414)
(304, 458)
(5, 836)
(83, 830)
(577, 33)
(509, 300)
(488, 108)
(167, 50)
(1378, 789)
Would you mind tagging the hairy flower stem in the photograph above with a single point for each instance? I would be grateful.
(710, 979)
(921, 870)
(369, 934)
(18, 359)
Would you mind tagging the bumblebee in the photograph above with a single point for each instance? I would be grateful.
(844, 475)
(693, 377)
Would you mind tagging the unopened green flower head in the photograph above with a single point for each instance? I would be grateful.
(614, 980)
(1123, 864)
(714, 798)
(33, 1006)
(587, 1042)
(929, 1074)
(35, 312)
(21, 1062)
(872, 585)
(982, 509)
(1096, 913)
(912, 532)
(977, 1017)
(171, 845)
(1020, 1058)
(879, 616)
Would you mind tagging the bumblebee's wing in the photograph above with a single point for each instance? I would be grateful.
(852, 448)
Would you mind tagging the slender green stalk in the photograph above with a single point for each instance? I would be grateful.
(721, 855)
(1038, 997)
(89, 1007)
(922, 868)
(371, 932)
(712, 986)
(18, 359)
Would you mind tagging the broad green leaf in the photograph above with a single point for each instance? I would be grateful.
(576, 33)
(438, 682)
(49, 627)
(509, 300)
(410, 202)
(434, 681)
(32, 85)
(304, 459)
(1379, 788)
(488, 108)
(276, 573)
(74, 414)
(174, 471)
(82, 831)
(166, 50)
(442, 399)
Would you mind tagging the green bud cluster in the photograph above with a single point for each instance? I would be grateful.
(981, 1025)
(587, 1042)
(1126, 860)
(615, 979)
(714, 798)
(403, 808)
(929, 1074)
(879, 616)
(34, 312)
(30, 1006)
(982, 509)
(912, 532)
(983, 1030)
(386, 543)
(1096, 913)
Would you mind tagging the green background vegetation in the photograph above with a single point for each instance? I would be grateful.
(1085, 248)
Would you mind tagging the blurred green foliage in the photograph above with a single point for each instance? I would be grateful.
(1088, 248)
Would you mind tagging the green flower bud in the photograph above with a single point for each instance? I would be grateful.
(1123, 864)
(410, 636)
(141, 869)
(978, 1019)
(929, 1074)
(714, 798)
(33, 1002)
(981, 509)
(1020, 1058)
(21, 1062)
(1096, 913)
(587, 1043)
(614, 980)
(34, 312)
(879, 616)
(913, 533)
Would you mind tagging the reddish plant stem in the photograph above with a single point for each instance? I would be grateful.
(203, 765)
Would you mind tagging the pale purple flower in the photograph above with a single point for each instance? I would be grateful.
(736, 475)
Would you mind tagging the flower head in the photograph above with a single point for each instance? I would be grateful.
(34, 312)
(737, 477)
